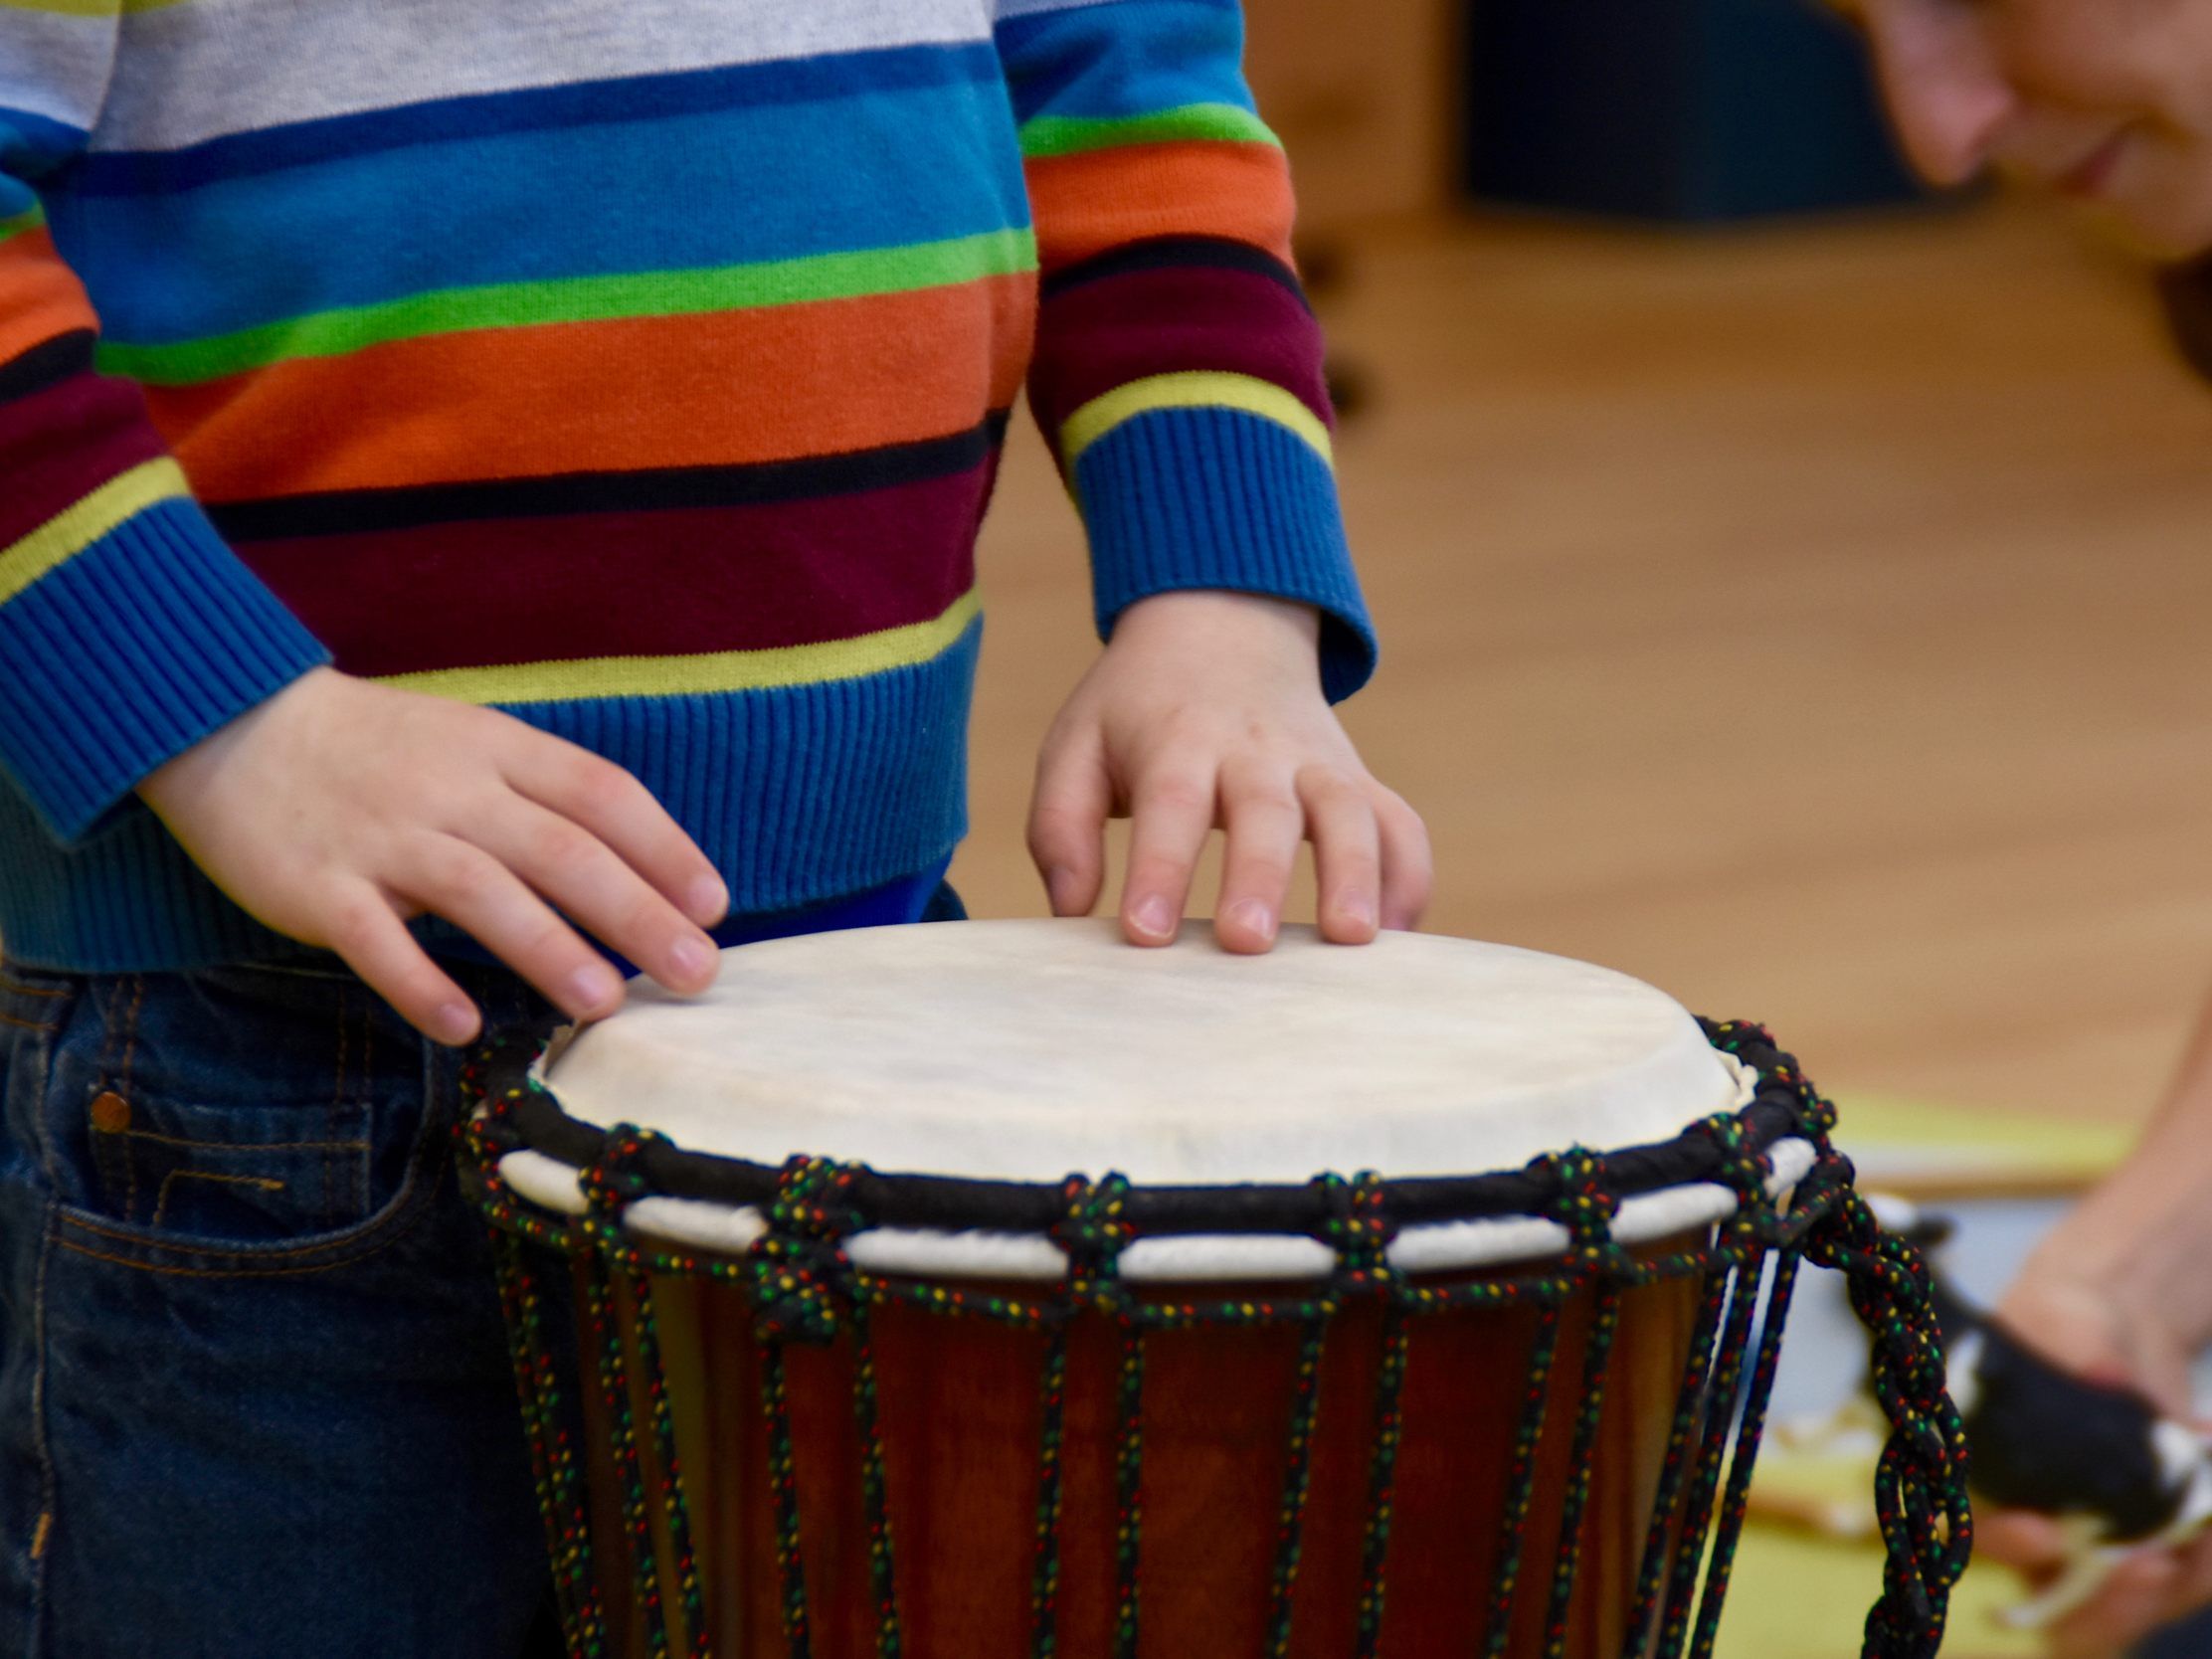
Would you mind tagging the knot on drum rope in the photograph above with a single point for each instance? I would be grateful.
(613, 1180)
(1093, 1230)
(1745, 1170)
(1585, 1205)
(1920, 1487)
(797, 1271)
(1775, 1066)
(1358, 1226)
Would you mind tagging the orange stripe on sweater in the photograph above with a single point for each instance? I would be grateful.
(770, 384)
(1085, 204)
(40, 297)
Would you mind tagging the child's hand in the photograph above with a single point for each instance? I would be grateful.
(1205, 710)
(338, 809)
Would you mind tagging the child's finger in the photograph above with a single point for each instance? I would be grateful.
(1408, 864)
(623, 814)
(486, 900)
(1348, 854)
(1260, 810)
(1170, 818)
(1067, 821)
(583, 876)
(372, 940)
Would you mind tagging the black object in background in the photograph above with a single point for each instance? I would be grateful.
(1673, 111)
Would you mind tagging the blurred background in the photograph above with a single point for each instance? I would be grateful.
(1792, 589)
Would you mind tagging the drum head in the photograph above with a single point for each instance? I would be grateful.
(1022, 1050)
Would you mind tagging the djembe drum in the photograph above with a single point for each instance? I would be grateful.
(858, 1369)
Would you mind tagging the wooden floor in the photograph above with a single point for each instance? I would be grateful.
(1817, 622)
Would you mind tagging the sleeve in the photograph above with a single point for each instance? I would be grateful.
(1178, 372)
(128, 629)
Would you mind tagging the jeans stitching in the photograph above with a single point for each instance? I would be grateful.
(240, 1145)
(268, 1183)
(47, 1027)
(330, 1113)
(42, 1447)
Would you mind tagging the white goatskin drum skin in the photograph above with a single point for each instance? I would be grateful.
(1022, 1050)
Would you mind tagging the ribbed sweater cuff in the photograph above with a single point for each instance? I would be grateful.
(129, 653)
(1181, 498)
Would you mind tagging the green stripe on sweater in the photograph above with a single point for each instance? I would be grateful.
(30, 219)
(1050, 135)
(652, 293)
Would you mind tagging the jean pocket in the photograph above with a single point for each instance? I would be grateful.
(237, 1175)
(224, 1123)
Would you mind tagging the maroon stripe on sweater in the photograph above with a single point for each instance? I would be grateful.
(1107, 332)
(632, 584)
(63, 441)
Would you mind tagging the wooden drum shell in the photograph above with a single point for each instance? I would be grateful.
(960, 1404)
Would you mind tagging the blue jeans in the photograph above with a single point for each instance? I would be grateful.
(254, 1393)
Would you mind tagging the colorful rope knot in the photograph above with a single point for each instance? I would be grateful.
(1745, 1170)
(797, 1272)
(616, 1180)
(1093, 1230)
(1586, 1206)
(1358, 1226)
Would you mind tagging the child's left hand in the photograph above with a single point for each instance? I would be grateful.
(1205, 710)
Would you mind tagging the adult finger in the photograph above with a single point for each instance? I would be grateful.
(1409, 866)
(1170, 813)
(1265, 821)
(486, 900)
(622, 812)
(371, 938)
(2132, 1602)
(2019, 1538)
(1067, 819)
(1348, 854)
(582, 875)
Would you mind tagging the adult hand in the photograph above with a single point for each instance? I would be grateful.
(1205, 710)
(339, 808)
(2103, 1333)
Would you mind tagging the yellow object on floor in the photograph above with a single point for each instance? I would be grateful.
(1925, 1152)
(1799, 1596)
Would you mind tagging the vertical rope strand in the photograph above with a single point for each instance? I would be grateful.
(1720, 1412)
(1597, 1366)
(662, 1419)
(1697, 1375)
(782, 1486)
(613, 1385)
(874, 1486)
(561, 1502)
(1044, 1576)
(1290, 1527)
(1521, 1479)
(1129, 1500)
(1748, 1436)
(1390, 1388)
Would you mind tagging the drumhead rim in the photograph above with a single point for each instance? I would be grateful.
(948, 1203)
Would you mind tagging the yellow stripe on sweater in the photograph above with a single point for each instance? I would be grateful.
(702, 673)
(1191, 389)
(76, 527)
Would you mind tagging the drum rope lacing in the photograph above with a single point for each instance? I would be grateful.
(803, 1287)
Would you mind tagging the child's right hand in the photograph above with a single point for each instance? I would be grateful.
(339, 808)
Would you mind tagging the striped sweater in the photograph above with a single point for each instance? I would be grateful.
(638, 367)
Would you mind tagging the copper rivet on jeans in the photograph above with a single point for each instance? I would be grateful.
(111, 1112)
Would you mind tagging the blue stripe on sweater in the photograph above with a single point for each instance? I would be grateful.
(1128, 58)
(727, 187)
(641, 98)
(801, 795)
